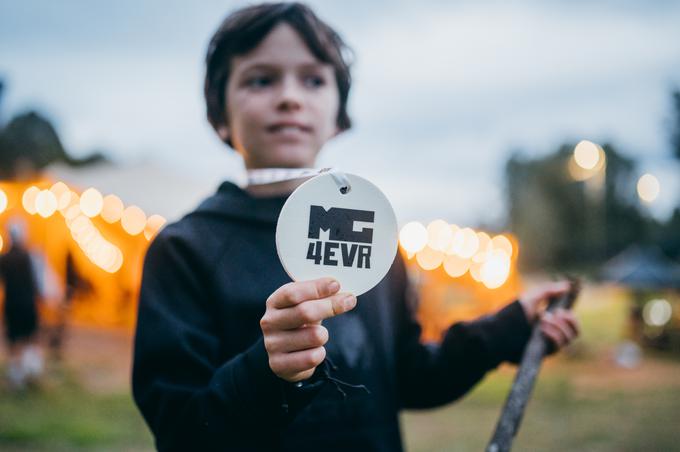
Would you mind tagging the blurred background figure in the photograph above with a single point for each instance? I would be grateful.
(20, 311)
(57, 333)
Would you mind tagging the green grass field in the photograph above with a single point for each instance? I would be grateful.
(582, 400)
(62, 415)
(560, 417)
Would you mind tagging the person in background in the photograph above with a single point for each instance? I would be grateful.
(20, 311)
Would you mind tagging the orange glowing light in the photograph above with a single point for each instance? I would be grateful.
(28, 199)
(439, 235)
(429, 259)
(58, 189)
(3, 200)
(79, 224)
(91, 202)
(456, 266)
(476, 271)
(133, 220)
(117, 262)
(413, 237)
(469, 245)
(484, 241)
(153, 224)
(45, 203)
(72, 212)
(495, 270)
(112, 209)
(73, 200)
(501, 242)
(64, 200)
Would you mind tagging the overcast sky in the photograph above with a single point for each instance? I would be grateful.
(443, 91)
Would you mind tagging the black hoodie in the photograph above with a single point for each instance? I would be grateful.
(201, 376)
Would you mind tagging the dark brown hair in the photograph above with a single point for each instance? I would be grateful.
(245, 28)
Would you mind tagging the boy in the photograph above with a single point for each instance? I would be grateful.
(229, 354)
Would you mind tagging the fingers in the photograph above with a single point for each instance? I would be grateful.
(304, 338)
(291, 325)
(289, 365)
(534, 299)
(556, 288)
(308, 312)
(294, 293)
(560, 328)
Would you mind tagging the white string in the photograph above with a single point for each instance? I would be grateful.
(264, 176)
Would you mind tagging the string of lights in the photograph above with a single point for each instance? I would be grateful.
(79, 210)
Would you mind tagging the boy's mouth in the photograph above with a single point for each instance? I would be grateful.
(289, 127)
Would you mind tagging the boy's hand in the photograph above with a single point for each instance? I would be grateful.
(291, 325)
(561, 326)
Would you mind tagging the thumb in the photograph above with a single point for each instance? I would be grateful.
(532, 300)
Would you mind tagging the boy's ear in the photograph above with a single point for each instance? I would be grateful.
(223, 132)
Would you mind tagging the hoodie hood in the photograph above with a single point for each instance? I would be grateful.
(233, 202)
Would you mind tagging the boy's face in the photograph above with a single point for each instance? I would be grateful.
(282, 103)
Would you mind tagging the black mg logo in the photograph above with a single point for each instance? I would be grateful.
(349, 242)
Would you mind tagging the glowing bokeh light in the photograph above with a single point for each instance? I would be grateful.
(117, 262)
(495, 270)
(657, 312)
(470, 243)
(28, 199)
(71, 213)
(59, 188)
(501, 242)
(133, 220)
(86, 236)
(153, 224)
(3, 200)
(484, 241)
(80, 224)
(439, 235)
(2, 243)
(64, 200)
(91, 202)
(45, 203)
(112, 209)
(429, 259)
(480, 257)
(456, 266)
(98, 250)
(413, 237)
(73, 200)
(587, 155)
(581, 173)
(648, 188)
(457, 241)
(476, 271)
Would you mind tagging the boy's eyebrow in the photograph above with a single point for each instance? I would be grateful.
(270, 67)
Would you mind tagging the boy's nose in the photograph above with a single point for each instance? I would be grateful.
(290, 96)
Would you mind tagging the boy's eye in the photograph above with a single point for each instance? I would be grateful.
(259, 81)
(314, 81)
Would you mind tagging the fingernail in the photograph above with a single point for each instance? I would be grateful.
(349, 302)
(334, 286)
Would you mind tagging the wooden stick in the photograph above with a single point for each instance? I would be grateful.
(515, 404)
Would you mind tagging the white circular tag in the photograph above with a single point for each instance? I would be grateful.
(351, 237)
